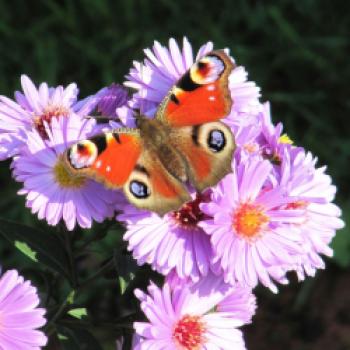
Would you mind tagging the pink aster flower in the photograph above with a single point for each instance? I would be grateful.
(253, 237)
(174, 241)
(163, 67)
(51, 192)
(35, 107)
(315, 191)
(20, 316)
(204, 315)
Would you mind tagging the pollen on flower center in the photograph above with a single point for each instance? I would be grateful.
(248, 220)
(188, 333)
(64, 178)
(190, 214)
(285, 139)
(49, 113)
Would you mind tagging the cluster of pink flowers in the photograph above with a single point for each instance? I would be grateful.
(271, 215)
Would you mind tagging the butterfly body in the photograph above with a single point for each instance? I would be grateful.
(185, 143)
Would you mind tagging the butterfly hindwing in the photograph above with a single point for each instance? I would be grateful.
(151, 186)
(208, 151)
(201, 95)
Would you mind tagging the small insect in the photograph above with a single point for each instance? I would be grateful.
(184, 143)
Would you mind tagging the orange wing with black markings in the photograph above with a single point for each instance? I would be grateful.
(109, 158)
(121, 160)
(208, 151)
(201, 95)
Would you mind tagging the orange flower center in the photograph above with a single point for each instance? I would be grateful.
(188, 333)
(249, 219)
(49, 113)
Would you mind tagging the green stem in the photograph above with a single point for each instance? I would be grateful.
(69, 250)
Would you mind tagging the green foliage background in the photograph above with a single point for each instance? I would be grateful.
(297, 51)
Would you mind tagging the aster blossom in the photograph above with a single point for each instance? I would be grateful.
(173, 242)
(33, 108)
(253, 237)
(53, 193)
(203, 315)
(316, 192)
(162, 68)
(20, 316)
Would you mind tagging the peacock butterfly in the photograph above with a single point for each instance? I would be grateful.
(184, 143)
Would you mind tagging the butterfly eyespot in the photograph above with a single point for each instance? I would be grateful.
(82, 154)
(216, 140)
(207, 70)
(139, 189)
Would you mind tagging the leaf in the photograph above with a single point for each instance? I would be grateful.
(44, 246)
(71, 297)
(78, 313)
(26, 250)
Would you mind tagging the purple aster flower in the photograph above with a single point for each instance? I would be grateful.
(204, 315)
(35, 107)
(10, 143)
(315, 194)
(20, 316)
(271, 139)
(174, 241)
(114, 97)
(252, 236)
(50, 190)
(163, 67)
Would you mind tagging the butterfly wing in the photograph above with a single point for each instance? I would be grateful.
(109, 158)
(121, 160)
(201, 95)
(151, 186)
(208, 151)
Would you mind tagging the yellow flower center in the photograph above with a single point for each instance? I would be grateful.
(64, 178)
(249, 219)
(188, 333)
(285, 139)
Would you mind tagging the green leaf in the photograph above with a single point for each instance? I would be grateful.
(44, 246)
(26, 250)
(78, 313)
(71, 297)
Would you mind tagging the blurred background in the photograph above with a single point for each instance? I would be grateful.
(296, 51)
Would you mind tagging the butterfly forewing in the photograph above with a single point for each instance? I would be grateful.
(201, 95)
(109, 158)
